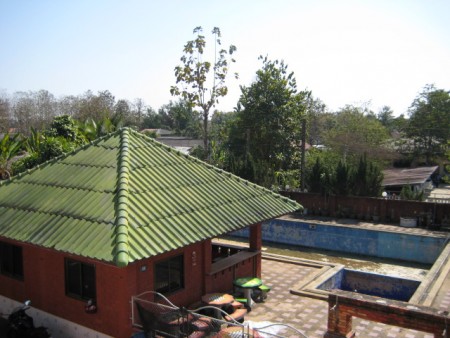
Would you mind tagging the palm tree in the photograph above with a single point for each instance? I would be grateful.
(92, 130)
(9, 147)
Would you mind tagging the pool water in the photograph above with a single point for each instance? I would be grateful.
(408, 270)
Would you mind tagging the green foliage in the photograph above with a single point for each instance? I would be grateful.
(367, 179)
(429, 123)
(152, 120)
(407, 193)
(9, 147)
(180, 118)
(374, 180)
(64, 135)
(330, 176)
(314, 176)
(446, 178)
(266, 132)
(342, 182)
(218, 156)
(151, 133)
(52, 147)
(193, 80)
(199, 153)
(91, 130)
(48, 148)
(287, 179)
(25, 163)
(356, 132)
(64, 126)
(32, 143)
(386, 117)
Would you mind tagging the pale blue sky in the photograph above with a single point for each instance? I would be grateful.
(346, 52)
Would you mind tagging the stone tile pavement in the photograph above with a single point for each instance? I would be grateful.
(310, 315)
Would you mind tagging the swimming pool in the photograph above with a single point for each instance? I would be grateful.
(353, 239)
(373, 284)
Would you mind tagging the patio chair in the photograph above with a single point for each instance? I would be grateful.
(154, 326)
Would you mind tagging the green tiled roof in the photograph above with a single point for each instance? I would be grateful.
(126, 197)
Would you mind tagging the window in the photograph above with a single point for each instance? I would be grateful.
(80, 280)
(11, 262)
(169, 275)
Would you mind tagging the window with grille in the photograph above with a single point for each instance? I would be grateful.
(169, 275)
(11, 261)
(80, 279)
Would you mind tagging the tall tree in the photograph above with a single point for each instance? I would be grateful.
(151, 119)
(367, 178)
(317, 118)
(386, 117)
(4, 114)
(23, 111)
(354, 134)
(122, 112)
(45, 108)
(270, 111)
(94, 106)
(195, 84)
(181, 118)
(429, 123)
(138, 111)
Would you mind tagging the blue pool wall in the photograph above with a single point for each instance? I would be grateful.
(373, 284)
(401, 246)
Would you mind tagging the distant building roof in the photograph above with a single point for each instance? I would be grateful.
(126, 197)
(159, 132)
(406, 176)
(180, 141)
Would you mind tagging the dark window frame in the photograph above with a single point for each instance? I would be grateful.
(80, 279)
(169, 275)
(11, 260)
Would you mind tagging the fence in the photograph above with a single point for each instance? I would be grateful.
(428, 214)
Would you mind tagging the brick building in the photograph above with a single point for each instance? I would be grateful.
(121, 216)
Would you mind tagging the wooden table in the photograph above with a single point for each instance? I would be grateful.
(217, 300)
(247, 284)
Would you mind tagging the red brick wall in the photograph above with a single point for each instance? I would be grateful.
(44, 285)
(345, 305)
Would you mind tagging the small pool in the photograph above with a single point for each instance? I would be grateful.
(373, 284)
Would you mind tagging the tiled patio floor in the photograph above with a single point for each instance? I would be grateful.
(310, 315)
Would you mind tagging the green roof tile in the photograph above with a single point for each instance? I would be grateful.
(126, 197)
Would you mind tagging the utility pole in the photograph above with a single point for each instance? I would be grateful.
(303, 149)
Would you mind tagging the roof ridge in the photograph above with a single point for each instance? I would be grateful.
(121, 247)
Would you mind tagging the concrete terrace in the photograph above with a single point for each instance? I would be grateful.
(285, 274)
